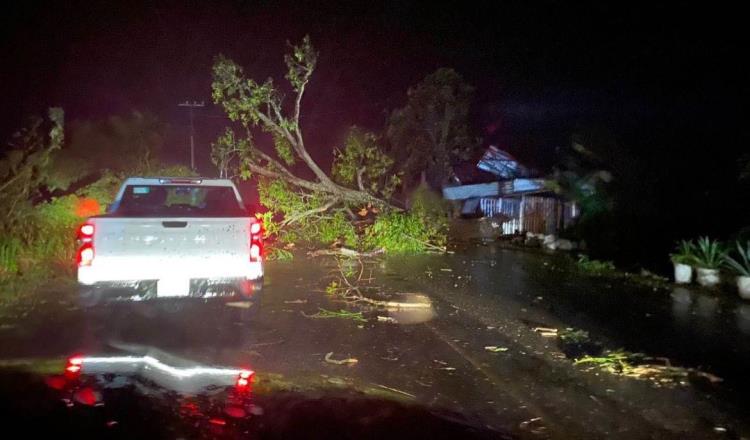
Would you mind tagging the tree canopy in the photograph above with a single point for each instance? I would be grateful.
(118, 143)
(24, 170)
(432, 130)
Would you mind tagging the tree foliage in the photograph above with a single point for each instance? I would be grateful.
(227, 153)
(432, 130)
(24, 170)
(423, 228)
(320, 209)
(362, 163)
(256, 105)
(117, 143)
(37, 224)
(615, 191)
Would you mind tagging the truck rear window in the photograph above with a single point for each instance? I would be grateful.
(179, 201)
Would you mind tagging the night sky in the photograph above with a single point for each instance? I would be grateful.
(661, 77)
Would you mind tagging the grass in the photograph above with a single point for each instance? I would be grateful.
(586, 264)
(9, 251)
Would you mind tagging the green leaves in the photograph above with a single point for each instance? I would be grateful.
(286, 203)
(362, 164)
(301, 63)
(684, 253)
(283, 148)
(241, 98)
(432, 129)
(586, 264)
(709, 254)
(24, 169)
(228, 153)
(740, 265)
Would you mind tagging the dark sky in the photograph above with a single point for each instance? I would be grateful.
(540, 68)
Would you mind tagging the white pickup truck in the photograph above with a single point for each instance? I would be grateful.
(171, 237)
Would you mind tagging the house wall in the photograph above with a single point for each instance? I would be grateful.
(540, 214)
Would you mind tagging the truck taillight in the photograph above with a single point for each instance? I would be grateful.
(86, 233)
(254, 252)
(85, 254)
(256, 241)
(244, 380)
(74, 365)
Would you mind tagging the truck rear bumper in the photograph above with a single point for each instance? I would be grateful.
(118, 270)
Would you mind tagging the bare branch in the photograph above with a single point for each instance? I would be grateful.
(290, 178)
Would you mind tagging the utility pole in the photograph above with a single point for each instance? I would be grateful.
(191, 106)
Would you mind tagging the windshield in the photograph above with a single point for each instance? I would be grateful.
(178, 201)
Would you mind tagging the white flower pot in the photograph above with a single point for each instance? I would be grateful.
(683, 273)
(743, 286)
(708, 277)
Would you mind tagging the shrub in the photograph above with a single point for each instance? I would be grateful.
(709, 254)
(741, 265)
(594, 266)
(684, 253)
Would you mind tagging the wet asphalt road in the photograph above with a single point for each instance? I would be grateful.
(481, 296)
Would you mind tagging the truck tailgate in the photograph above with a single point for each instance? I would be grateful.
(157, 248)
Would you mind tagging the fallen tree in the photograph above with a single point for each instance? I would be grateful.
(261, 105)
(323, 208)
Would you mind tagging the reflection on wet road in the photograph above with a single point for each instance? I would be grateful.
(436, 354)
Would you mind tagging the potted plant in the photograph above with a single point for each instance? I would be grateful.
(683, 258)
(742, 267)
(708, 258)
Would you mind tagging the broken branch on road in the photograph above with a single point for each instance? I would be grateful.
(343, 314)
(348, 361)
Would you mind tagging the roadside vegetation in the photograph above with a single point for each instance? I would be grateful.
(49, 184)
(639, 196)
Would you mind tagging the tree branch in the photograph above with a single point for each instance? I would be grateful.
(359, 178)
(277, 128)
(298, 103)
(290, 178)
(301, 215)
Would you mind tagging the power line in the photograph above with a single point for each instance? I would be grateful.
(191, 106)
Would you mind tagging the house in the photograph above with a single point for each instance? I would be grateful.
(498, 186)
